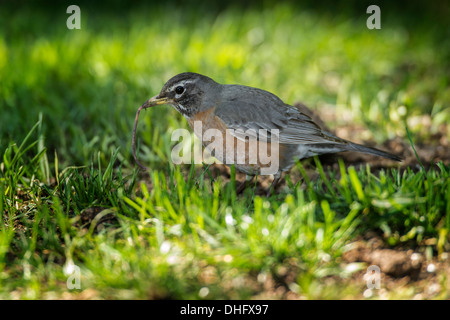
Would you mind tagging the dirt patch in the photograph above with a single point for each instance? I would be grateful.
(396, 263)
(97, 217)
(404, 272)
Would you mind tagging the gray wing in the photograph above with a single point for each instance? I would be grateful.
(247, 110)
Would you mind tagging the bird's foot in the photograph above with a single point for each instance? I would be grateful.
(248, 180)
(276, 179)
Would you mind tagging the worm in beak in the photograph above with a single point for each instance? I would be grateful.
(149, 103)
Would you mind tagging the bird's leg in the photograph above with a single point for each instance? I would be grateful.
(244, 184)
(276, 179)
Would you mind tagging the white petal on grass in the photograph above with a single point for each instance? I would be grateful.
(172, 259)
(203, 292)
(227, 258)
(229, 219)
(368, 293)
(165, 247)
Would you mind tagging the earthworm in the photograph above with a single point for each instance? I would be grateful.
(144, 106)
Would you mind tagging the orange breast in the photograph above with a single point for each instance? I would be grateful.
(249, 156)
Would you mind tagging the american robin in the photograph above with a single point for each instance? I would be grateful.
(236, 110)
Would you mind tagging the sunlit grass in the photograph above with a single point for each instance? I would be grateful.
(187, 233)
(68, 100)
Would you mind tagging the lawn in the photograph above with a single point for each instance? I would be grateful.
(73, 204)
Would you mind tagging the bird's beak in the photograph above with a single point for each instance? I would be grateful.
(156, 100)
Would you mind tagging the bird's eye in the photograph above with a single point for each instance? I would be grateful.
(179, 90)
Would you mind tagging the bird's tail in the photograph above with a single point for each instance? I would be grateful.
(360, 148)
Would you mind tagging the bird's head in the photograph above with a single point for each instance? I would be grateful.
(185, 92)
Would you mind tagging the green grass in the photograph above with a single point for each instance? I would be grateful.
(68, 100)
(162, 240)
